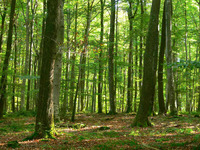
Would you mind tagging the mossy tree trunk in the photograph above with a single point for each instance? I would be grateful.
(45, 111)
(150, 67)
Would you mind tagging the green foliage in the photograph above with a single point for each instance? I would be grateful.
(162, 139)
(21, 114)
(13, 144)
(197, 138)
(111, 134)
(179, 144)
(113, 144)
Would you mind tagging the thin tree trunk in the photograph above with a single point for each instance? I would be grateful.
(3, 18)
(6, 60)
(161, 102)
(110, 60)
(83, 62)
(23, 89)
(65, 100)
(72, 86)
(129, 85)
(170, 78)
(198, 109)
(136, 76)
(116, 51)
(100, 59)
(15, 71)
(141, 46)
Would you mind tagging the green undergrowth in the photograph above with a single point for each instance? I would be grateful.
(118, 144)
(21, 114)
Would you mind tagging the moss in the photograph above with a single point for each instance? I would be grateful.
(46, 134)
(138, 123)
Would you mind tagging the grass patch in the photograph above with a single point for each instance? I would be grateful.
(179, 144)
(111, 134)
(118, 144)
(161, 139)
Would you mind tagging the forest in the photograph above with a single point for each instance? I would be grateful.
(100, 74)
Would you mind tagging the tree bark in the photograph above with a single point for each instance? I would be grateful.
(45, 111)
(150, 67)
(170, 78)
(3, 18)
(161, 102)
(110, 59)
(130, 58)
(58, 63)
(6, 60)
(23, 89)
(100, 84)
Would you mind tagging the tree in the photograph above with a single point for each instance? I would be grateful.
(100, 84)
(170, 80)
(161, 102)
(22, 106)
(150, 65)
(58, 63)
(45, 111)
(6, 60)
(110, 59)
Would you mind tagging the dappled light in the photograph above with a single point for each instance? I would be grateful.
(182, 132)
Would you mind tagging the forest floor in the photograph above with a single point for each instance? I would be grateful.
(105, 132)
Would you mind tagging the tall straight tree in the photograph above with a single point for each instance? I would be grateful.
(199, 58)
(58, 63)
(84, 51)
(110, 59)
(3, 18)
(129, 86)
(45, 110)
(161, 102)
(6, 60)
(65, 100)
(22, 105)
(141, 44)
(150, 67)
(100, 84)
(170, 80)
(72, 86)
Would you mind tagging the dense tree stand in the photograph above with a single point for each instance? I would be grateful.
(150, 67)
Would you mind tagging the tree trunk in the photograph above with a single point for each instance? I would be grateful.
(6, 60)
(110, 59)
(150, 67)
(198, 109)
(100, 59)
(45, 111)
(136, 76)
(141, 46)
(15, 71)
(65, 100)
(83, 62)
(23, 89)
(3, 18)
(58, 63)
(130, 85)
(72, 86)
(161, 102)
(170, 79)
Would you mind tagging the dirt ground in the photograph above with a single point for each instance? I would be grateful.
(106, 132)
